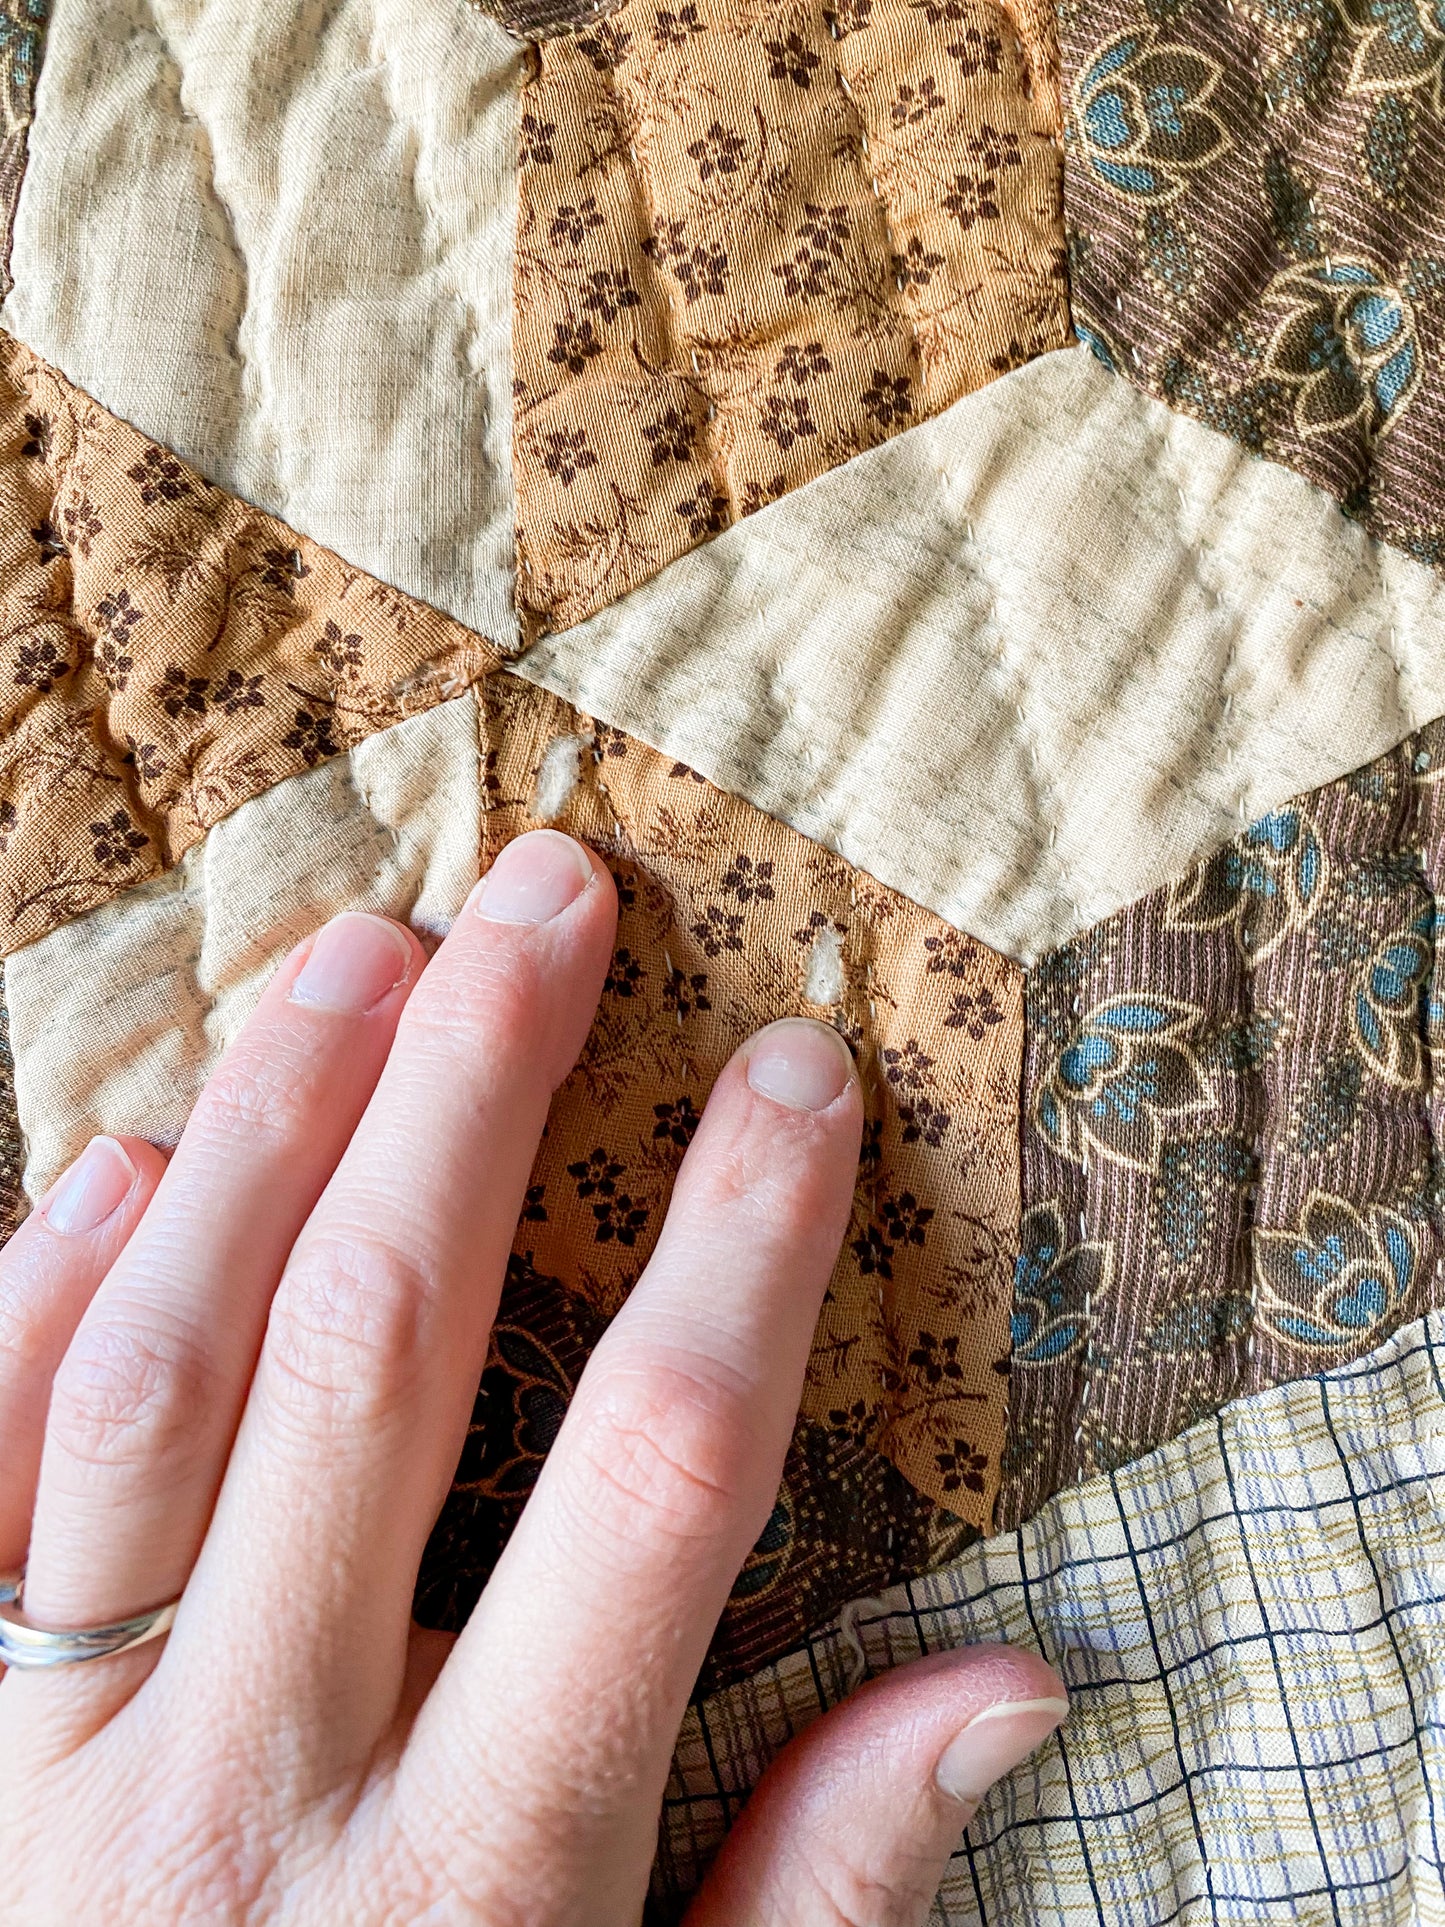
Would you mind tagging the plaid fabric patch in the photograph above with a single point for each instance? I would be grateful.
(1251, 1622)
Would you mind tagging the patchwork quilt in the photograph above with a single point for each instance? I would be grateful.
(948, 498)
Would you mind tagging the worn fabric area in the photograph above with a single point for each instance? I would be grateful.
(1232, 1127)
(279, 240)
(1029, 660)
(1257, 231)
(22, 42)
(166, 653)
(754, 239)
(728, 920)
(1248, 1623)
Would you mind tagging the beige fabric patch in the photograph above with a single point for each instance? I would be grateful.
(279, 239)
(1028, 660)
(117, 1017)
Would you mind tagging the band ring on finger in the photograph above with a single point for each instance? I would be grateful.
(24, 1645)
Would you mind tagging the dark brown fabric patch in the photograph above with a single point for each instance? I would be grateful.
(1231, 1139)
(22, 44)
(1255, 200)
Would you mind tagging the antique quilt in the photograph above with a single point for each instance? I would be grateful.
(948, 498)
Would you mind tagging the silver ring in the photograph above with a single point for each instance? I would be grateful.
(25, 1645)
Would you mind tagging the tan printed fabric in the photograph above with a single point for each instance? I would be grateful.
(166, 651)
(753, 240)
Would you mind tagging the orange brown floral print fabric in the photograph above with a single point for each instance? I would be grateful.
(753, 240)
(167, 651)
(729, 919)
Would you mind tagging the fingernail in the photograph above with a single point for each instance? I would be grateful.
(355, 960)
(534, 879)
(96, 1184)
(800, 1063)
(993, 1742)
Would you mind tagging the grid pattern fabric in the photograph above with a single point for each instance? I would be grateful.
(1251, 1624)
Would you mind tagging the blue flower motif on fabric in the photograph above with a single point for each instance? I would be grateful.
(1394, 1007)
(1340, 1280)
(1128, 1068)
(1400, 48)
(1262, 887)
(1347, 345)
(1140, 114)
(1057, 1286)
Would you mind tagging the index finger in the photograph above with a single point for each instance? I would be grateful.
(561, 1703)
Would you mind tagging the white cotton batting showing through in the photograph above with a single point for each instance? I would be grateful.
(823, 977)
(558, 775)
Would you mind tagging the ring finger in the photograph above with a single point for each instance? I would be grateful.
(146, 1400)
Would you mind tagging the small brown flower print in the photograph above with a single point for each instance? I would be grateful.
(596, 1175)
(80, 523)
(757, 495)
(787, 419)
(700, 270)
(976, 52)
(235, 692)
(571, 225)
(972, 198)
(604, 47)
(1013, 356)
(887, 400)
(685, 772)
(792, 59)
(536, 147)
(113, 663)
(342, 654)
(906, 1220)
(40, 665)
(607, 741)
(827, 229)
(962, 1467)
(916, 266)
(849, 16)
(995, 149)
(118, 615)
(116, 841)
(672, 29)
(936, 1359)
(913, 104)
(161, 476)
(608, 291)
(178, 693)
(282, 569)
(573, 345)
(704, 511)
(145, 759)
(565, 453)
(534, 1211)
(973, 1011)
(748, 882)
(874, 1253)
(622, 1218)
(802, 365)
(719, 930)
(311, 734)
(687, 992)
(923, 1121)
(625, 976)
(677, 1121)
(46, 538)
(947, 954)
(870, 1156)
(9, 817)
(671, 437)
(719, 151)
(39, 436)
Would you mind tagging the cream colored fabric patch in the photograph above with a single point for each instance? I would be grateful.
(1028, 660)
(279, 239)
(118, 1017)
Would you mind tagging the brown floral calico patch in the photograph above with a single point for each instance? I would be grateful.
(725, 915)
(166, 651)
(754, 240)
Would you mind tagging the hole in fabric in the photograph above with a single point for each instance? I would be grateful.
(545, 19)
(823, 979)
(558, 775)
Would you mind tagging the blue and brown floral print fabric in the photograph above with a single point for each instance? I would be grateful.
(1231, 1120)
(22, 41)
(1256, 230)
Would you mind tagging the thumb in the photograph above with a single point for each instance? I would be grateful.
(854, 1822)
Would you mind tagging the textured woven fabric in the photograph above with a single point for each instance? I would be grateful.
(22, 41)
(167, 652)
(728, 920)
(753, 240)
(1027, 661)
(1248, 1622)
(278, 238)
(1232, 1127)
(1257, 231)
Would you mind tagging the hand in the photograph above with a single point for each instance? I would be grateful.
(245, 1375)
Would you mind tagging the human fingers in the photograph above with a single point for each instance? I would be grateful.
(147, 1397)
(857, 1818)
(378, 1332)
(547, 1741)
(49, 1271)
